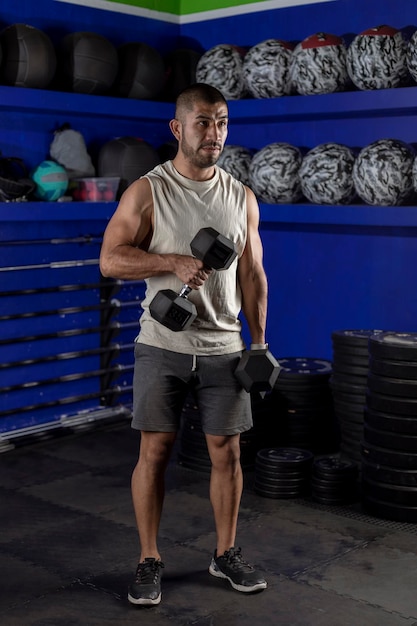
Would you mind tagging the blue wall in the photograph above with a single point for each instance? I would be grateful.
(324, 278)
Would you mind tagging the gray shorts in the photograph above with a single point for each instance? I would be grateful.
(163, 379)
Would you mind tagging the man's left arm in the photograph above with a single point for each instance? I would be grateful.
(251, 274)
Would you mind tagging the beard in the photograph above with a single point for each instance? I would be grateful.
(199, 158)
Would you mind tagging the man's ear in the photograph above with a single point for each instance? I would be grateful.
(175, 126)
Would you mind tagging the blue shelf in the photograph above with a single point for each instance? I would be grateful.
(354, 215)
(56, 211)
(347, 104)
(350, 215)
(45, 102)
(343, 105)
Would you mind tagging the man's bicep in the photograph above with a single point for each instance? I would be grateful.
(253, 251)
(132, 221)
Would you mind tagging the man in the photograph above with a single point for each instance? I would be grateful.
(149, 238)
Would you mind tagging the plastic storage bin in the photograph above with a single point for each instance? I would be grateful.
(94, 189)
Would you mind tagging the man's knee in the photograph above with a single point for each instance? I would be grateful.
(224, 451)
(156, 448)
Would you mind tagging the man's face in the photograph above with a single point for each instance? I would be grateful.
(203, 132)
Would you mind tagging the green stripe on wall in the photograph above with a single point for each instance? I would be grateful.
(182, 7)
(188, 11)
(225, 8)
(160, 6)
(191, 6)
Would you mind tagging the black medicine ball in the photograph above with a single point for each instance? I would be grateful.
(141, 71)
(29, 58)
(89, 63)
(181, 67)
(128, 158)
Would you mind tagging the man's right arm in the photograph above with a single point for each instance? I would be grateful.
(125, 242)
(123, 251)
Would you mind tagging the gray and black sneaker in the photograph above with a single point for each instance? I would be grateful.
(241, 575)
(146, 588)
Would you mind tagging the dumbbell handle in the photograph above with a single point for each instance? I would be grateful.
(185, 290)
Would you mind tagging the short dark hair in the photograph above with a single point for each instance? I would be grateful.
(198, 92)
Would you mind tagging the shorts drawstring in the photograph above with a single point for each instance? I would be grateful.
(194, 365)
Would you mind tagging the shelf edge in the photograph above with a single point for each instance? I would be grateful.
(290, 214)
(56, 211)
(399, 101)
(44, 101)
(342, 215)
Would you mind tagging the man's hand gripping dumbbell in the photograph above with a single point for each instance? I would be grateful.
(174, 310)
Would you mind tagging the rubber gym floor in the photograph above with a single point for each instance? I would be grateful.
(68, 547)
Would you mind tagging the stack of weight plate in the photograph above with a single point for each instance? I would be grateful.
(389, 451)
(283, 472)
(349, 383)
(334, 481)
(303, 405)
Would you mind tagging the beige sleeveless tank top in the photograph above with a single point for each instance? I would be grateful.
(181, 207)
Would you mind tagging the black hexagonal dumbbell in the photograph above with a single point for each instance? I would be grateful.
(257, 370)
(174, 310)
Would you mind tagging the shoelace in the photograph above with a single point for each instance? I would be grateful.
(235, 559)
(148, 571)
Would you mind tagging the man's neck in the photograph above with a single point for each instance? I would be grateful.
(193, 173)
